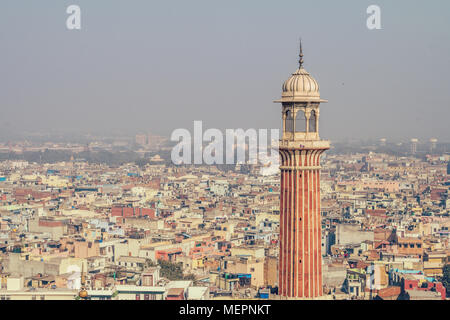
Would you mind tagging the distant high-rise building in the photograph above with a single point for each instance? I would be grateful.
(382, 142)
(433, 144)
(300, 260)
(414, 142)
(155, 141)
(141, 139)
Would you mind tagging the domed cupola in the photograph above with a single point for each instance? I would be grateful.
(300, 100)
(301, 86)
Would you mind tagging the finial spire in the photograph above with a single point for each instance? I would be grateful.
(300, 61)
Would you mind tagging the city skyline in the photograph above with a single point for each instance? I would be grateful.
(185, 152)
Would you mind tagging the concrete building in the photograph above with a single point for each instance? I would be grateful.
(414, 143)
(433, 144)
(352, 234)
(132, 292)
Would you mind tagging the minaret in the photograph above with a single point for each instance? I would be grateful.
(300, 148)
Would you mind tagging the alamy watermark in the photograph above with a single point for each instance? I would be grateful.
(374, 20)
(73, 21)
(237, 146)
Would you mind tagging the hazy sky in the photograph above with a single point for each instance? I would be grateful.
(160, 65)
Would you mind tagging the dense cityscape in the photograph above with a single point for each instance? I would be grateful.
(151, 230)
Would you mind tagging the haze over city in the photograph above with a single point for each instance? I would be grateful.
(261, 154)
(158, 66)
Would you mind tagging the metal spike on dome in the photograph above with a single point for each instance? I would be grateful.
(300, 62)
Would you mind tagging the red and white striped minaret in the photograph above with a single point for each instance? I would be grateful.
(300, 258)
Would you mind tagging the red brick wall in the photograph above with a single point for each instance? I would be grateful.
(128, 212)
(116, 212)
(49, 223)
(148, 212)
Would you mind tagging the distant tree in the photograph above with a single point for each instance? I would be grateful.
(150, 263)
(190, 276)
(446, 277)
(171, 270)
(142, 162)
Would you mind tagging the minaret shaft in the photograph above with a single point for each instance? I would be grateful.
(300, 269)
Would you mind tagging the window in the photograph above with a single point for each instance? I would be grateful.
(289, 122)
(312, 121)
(300, 122)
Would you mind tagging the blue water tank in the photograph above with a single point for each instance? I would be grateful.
(264, 295)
